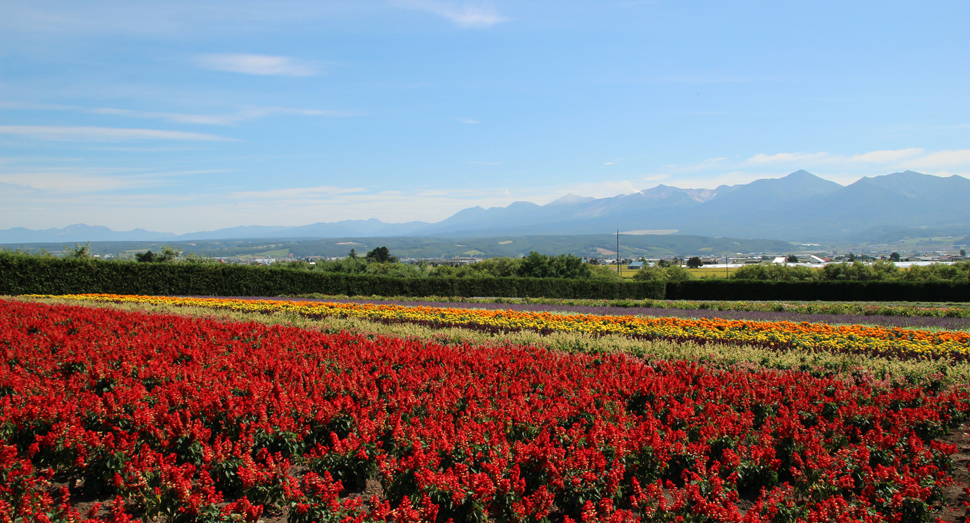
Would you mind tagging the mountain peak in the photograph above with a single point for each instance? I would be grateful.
(571, 199)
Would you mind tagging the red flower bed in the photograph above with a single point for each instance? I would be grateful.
(197, 420)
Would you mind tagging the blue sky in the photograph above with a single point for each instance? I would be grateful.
(181, 116)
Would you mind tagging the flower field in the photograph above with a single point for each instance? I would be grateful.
(761, 313)
(781, 335)
(810, 308)
(113, 416)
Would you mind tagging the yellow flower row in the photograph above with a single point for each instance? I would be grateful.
(906, 343)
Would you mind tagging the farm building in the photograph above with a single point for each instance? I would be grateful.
(637, 265)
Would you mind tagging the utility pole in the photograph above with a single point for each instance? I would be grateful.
(617, 247)
(727, 273)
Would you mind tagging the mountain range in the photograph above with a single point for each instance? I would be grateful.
(800, 207)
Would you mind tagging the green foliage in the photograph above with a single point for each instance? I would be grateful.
(537, 265)
(678, 273)
(774, 272)
(145, 257)
(694, 263)
(855, 271)
(880, 270)
(502, 267)
(845, 290)
(881, 281)
(349, 265)
(605, 272)
(167, 254)
(36, 275)
(79, 252)
(894, 257)
(380, 255)
(937, 272)
(662, 273)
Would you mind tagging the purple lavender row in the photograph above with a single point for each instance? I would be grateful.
(832, 319)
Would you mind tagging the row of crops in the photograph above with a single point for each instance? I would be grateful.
(112, 415)
(897, 342)
(828, 308)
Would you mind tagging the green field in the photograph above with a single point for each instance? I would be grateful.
(697, 273)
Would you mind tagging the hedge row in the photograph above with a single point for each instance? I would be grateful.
(879, 291)
(34, 275)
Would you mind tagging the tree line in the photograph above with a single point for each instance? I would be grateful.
(380, 261)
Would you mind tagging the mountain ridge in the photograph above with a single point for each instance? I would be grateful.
(798, 207)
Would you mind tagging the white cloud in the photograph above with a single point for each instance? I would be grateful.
(217, 18)
(712, 182)
(941, 160)
(295, 193)
(183, 212)
(468, 120)
(91, 180)
(220, 119)
(598, 190)
(202, 119)
(466, 15)
(885, 156)
(913, 156)
(103, 134)
(842, 169)
(761, 159)
(256, 64)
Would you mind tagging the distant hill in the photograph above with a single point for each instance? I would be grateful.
(799, 207)
(79, 233)
(594, 245)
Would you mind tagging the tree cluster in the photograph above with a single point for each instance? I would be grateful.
(856, 271)
(535, 265)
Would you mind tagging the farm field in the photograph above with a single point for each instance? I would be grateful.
(221, 410)
(703, 272)
(907, 309)
(776, 335)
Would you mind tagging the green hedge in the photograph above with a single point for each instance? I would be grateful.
(35, 275)
(818, 291)
(21, 274)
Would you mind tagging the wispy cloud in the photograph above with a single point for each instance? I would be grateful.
(256, 64)
(761, 159)
(941, 160)
(468, 120)
(464, 15)
(184, 211)
(841, 168)
(296, 193)
(103, 134)
(885, 156)
(910, 158)
(220, 119)
(71, 180)
(599, 189)
(201, 119)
